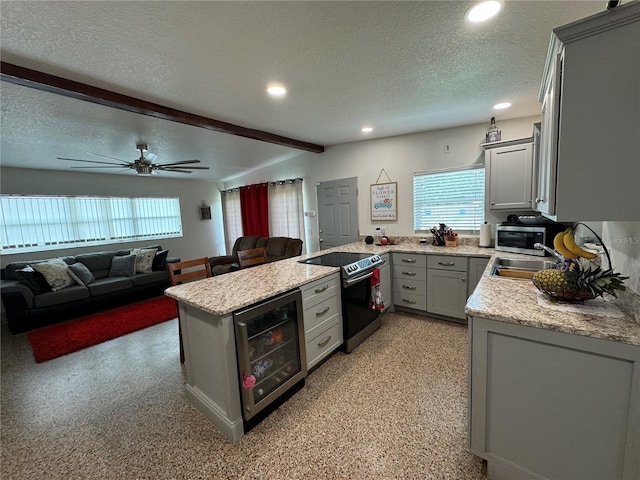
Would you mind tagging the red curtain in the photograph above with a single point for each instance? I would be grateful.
(254, 204)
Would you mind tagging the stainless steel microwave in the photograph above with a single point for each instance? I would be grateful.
(522, 238)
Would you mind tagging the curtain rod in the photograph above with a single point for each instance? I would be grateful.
(276, 182)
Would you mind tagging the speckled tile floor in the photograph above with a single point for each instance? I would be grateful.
(394, 408)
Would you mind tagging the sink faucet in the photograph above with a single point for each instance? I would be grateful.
(539, 246)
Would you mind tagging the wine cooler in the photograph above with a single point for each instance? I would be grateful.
(271, 352)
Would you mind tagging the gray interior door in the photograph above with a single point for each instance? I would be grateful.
(338, 212)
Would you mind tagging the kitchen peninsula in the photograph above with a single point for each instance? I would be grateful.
(213, 383)
(207, 310)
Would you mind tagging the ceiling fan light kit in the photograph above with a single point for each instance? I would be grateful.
(143, 165)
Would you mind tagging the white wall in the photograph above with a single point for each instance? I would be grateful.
(400, 156)
(201, 238)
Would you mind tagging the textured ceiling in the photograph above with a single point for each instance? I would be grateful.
(401, 67)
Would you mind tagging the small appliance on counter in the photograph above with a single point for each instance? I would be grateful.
(520, 238)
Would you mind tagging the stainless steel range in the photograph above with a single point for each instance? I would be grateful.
(359, 320)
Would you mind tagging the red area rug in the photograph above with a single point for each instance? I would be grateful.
(60, 339)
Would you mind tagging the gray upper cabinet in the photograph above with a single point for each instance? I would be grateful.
(508, 175)
(590, 94)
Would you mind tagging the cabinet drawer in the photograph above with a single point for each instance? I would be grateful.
(410, 259)
(409, 300)
(413, 287)
(408, 272)
(319, 312)
(323, 288)
(447, 262)
(324, 343)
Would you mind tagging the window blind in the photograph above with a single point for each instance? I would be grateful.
(453, 197)
(36, 223)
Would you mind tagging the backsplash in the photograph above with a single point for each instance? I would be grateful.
(623, 241)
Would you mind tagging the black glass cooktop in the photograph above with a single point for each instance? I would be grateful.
(336, 259)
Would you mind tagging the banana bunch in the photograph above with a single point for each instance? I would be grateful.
(565, 245)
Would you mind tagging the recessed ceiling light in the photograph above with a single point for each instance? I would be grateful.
(276, 90)
(366, 129)
(483, 11)
(500, 106)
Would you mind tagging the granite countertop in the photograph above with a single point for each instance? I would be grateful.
(495, 298)
(516, 301)
(232, 291)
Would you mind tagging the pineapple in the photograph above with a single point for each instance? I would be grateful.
(578, 280)
(552, 280)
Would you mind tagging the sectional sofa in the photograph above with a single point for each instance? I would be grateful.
(41, 292)
(276, 248)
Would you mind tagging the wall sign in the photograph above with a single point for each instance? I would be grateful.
(205, 211)
(384, 204)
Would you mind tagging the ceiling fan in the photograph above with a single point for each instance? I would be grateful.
(143, 165)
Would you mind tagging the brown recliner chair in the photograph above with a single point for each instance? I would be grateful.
(277, 248)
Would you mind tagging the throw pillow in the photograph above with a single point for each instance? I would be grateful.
(56, 273)
(32, 279)
(81, 274)
(160, 261)
(144, 259)
(123, 266)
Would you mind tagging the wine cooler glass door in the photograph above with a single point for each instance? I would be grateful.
(270, 350)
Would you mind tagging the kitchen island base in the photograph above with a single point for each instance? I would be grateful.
(212, 384)
(552, 405)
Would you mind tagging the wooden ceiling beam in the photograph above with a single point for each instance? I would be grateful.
(81, 91)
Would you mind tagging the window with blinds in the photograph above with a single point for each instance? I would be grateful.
(36, 223)
(453, 197)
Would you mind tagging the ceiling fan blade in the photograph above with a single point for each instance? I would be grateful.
(172, 170)
(112, 166)
(164, 167)
(124, 164)
(106, 156)
(182, 162)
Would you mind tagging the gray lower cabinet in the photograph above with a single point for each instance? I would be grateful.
(551, 405)
(447, 285)
(410, 281)
(322, 315)
(385, 282)
(477, 267)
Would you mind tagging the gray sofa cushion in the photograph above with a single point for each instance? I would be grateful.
(69, 294)
(123, 266)
(81, 274)
(98, 262)
(147, 278)
(104, 286)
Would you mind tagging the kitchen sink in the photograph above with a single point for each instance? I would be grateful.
(517, 268)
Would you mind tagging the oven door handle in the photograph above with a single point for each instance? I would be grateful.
(348, 283)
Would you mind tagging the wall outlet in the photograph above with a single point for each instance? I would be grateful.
(379, 231)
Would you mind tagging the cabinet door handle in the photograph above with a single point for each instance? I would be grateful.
(493, 203)
(409, 287)
(447, 264)
(463, 279)
(323, 311)
(409, 260)
(411, 274)
(324, 342)
(321, 289)
(412, 302)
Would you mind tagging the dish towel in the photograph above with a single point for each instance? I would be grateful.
(377, 302)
